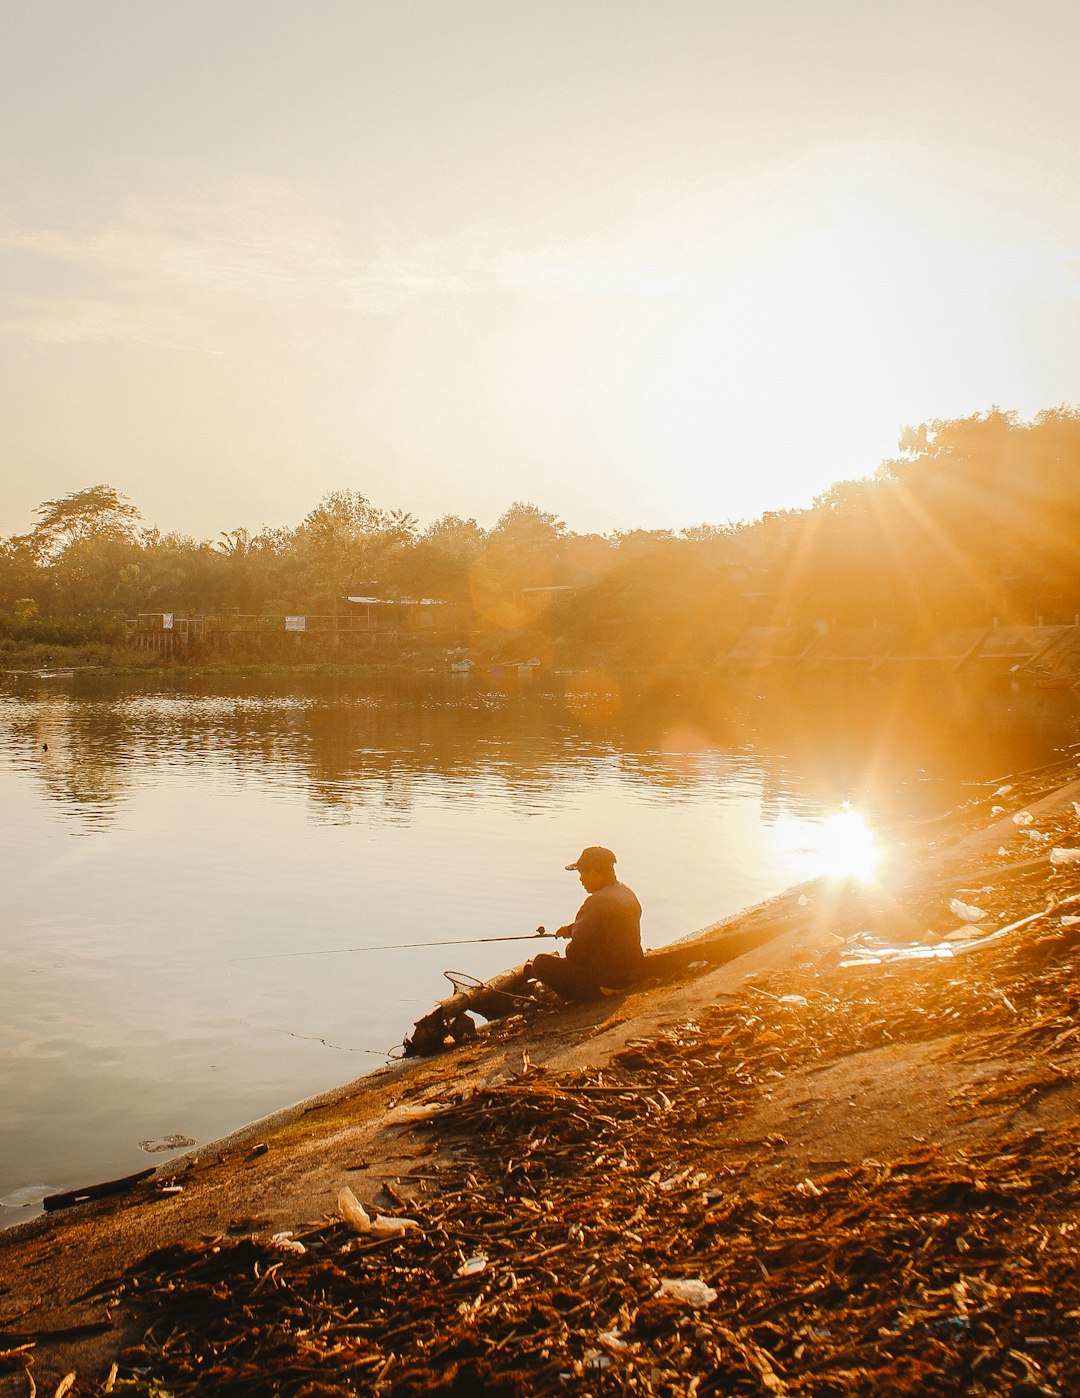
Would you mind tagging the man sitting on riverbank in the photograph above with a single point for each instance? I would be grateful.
(605, 938)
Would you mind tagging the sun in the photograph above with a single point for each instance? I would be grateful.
(844, 847)
(839, 846)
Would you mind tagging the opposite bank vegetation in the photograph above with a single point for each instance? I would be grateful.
(974, 521)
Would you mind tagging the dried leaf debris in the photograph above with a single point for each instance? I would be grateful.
(633, 1242)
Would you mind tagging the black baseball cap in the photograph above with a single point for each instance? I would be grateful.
(593, 857)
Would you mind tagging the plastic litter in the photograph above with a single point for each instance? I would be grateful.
(856, 955)
(692, 1290)
(1023, 818)
(385, 1227)
(473, 1266)
(285, 1242)
(174, 1142)
(412, 1112)
(1003, 790)
(997, 810)
(1060, 855)
(866, 956)
(793, 1000)
(967, 912)
(360, 1221)
(29, 1196)
(353, 1212)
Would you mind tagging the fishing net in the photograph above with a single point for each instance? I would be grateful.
(461, 980)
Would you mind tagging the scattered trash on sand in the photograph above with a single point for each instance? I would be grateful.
(174, 1142)
(641, 1227)
(360, 1221)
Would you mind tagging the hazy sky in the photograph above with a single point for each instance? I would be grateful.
(641, 262)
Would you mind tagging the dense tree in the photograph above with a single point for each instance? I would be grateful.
(975, 518)
(511, 581)
(443, 556)
(97, 513)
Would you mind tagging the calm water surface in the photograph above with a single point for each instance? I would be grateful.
(169, 835)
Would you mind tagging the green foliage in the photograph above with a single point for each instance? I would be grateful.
(975, 518)
(526, 526)
(456, 537)
(96, 514)
(28, 628)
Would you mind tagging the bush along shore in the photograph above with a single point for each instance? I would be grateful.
(969, 529)
(846, 1162)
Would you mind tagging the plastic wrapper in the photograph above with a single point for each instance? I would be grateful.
(692, 1290)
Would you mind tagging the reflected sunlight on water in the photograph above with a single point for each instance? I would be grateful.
(214, 826)
(839, 846)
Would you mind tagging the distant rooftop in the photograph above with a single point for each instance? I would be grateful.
(399, 601)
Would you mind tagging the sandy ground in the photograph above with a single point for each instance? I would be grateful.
(868, 1101)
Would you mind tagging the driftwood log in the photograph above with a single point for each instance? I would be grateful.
(449, 1023)
(95, 1191)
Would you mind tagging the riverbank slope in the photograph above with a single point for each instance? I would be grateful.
(844, 1162)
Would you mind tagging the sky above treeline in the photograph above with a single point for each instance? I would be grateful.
(645, 263)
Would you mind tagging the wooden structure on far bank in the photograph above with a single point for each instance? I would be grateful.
(370, 621)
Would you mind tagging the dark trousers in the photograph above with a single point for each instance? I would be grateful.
(566, 979)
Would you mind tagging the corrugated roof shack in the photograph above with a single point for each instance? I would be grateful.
(371, 625)
(407, 615)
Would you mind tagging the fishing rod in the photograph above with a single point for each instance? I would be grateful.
(397, 946)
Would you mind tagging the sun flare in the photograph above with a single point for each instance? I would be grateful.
(846, 847)
(839, 846)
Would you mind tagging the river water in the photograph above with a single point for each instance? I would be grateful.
(170, 845)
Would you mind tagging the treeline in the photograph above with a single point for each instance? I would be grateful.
(975, 519)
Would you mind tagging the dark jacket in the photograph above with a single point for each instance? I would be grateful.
(605, 937)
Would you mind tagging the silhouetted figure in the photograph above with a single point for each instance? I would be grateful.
(605, 938)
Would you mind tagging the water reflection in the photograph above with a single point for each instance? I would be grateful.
(365, 751)
(218, 822)
(841, 846)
